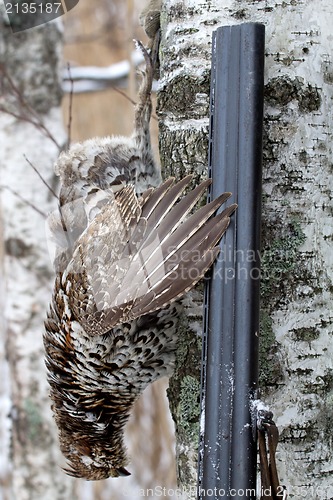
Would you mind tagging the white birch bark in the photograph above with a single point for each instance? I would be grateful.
(29, 458)
(297, 262)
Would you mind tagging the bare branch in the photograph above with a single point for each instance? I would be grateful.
(70, 110)
(26, 202)
(25, 111)
(41, 177)
(121, 92)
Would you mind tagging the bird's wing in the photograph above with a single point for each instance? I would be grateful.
(138, 256)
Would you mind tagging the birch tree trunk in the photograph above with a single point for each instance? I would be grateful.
(29, 459)
(296, 367)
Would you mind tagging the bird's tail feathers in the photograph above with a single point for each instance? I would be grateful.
(163, 256)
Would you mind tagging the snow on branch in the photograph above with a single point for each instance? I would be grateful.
(94, 78)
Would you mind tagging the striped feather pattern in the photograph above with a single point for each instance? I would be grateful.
(157, 254)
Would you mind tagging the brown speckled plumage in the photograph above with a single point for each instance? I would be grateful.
(125, 251)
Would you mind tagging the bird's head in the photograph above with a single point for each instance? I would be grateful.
(90, 470)
(93, 464)
(94, 451)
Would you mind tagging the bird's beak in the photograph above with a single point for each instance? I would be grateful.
(123, 472)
